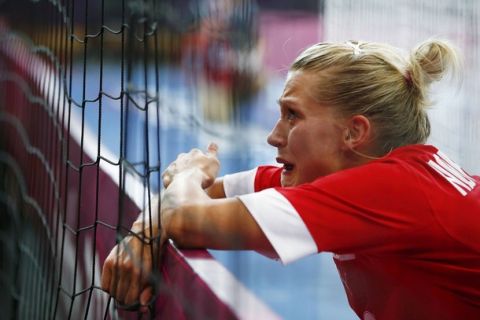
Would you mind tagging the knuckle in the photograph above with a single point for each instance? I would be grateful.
(127, 266)
(213, 159)
(166, 178)
(181, 155)
(109, 263)
(169, 169)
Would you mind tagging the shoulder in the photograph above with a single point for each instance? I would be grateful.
(402, 166)
(394, 182)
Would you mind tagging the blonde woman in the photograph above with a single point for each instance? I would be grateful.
(356, 179)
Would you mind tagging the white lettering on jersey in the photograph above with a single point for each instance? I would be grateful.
(452, 173)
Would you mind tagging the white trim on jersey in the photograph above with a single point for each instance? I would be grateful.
(239, 183)
(281, 224)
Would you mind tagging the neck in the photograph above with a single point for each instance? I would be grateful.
(357, 158)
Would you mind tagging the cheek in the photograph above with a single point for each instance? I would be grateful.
(312, 142)
(299, 142)
(306, 148)
(317, 152)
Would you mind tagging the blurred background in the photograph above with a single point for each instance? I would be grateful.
(97, 97)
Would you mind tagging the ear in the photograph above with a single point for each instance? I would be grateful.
(358, 132)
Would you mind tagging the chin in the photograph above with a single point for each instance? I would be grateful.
(287, 183)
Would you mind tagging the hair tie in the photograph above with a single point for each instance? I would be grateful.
(408, 78)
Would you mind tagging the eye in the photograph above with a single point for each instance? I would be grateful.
(291, 114)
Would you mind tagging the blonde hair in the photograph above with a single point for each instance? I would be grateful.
(380, 82)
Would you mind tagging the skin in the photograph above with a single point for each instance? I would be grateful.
(312, 140)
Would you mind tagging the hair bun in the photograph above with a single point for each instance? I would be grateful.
(431, 60)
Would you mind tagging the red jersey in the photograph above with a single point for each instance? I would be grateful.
(404, 230)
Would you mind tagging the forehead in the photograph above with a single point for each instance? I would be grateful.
(299, 85)
(300, 92)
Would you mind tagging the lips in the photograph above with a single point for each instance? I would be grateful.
(287, 166)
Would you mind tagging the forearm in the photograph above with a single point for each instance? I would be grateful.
(194, 220)
(193, 226)
(222, 224)
(216, 190)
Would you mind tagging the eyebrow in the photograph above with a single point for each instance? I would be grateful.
(286, 101)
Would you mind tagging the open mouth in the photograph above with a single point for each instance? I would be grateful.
(287, 166)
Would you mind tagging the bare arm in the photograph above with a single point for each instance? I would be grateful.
(216, 190)
(191, 217)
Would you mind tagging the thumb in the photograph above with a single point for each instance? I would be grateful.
(166, 180)
(212, 149)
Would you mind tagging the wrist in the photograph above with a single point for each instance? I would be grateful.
(192, 175)
(143, 226)
(144, 229)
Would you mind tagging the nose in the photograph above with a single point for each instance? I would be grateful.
(278, 136)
